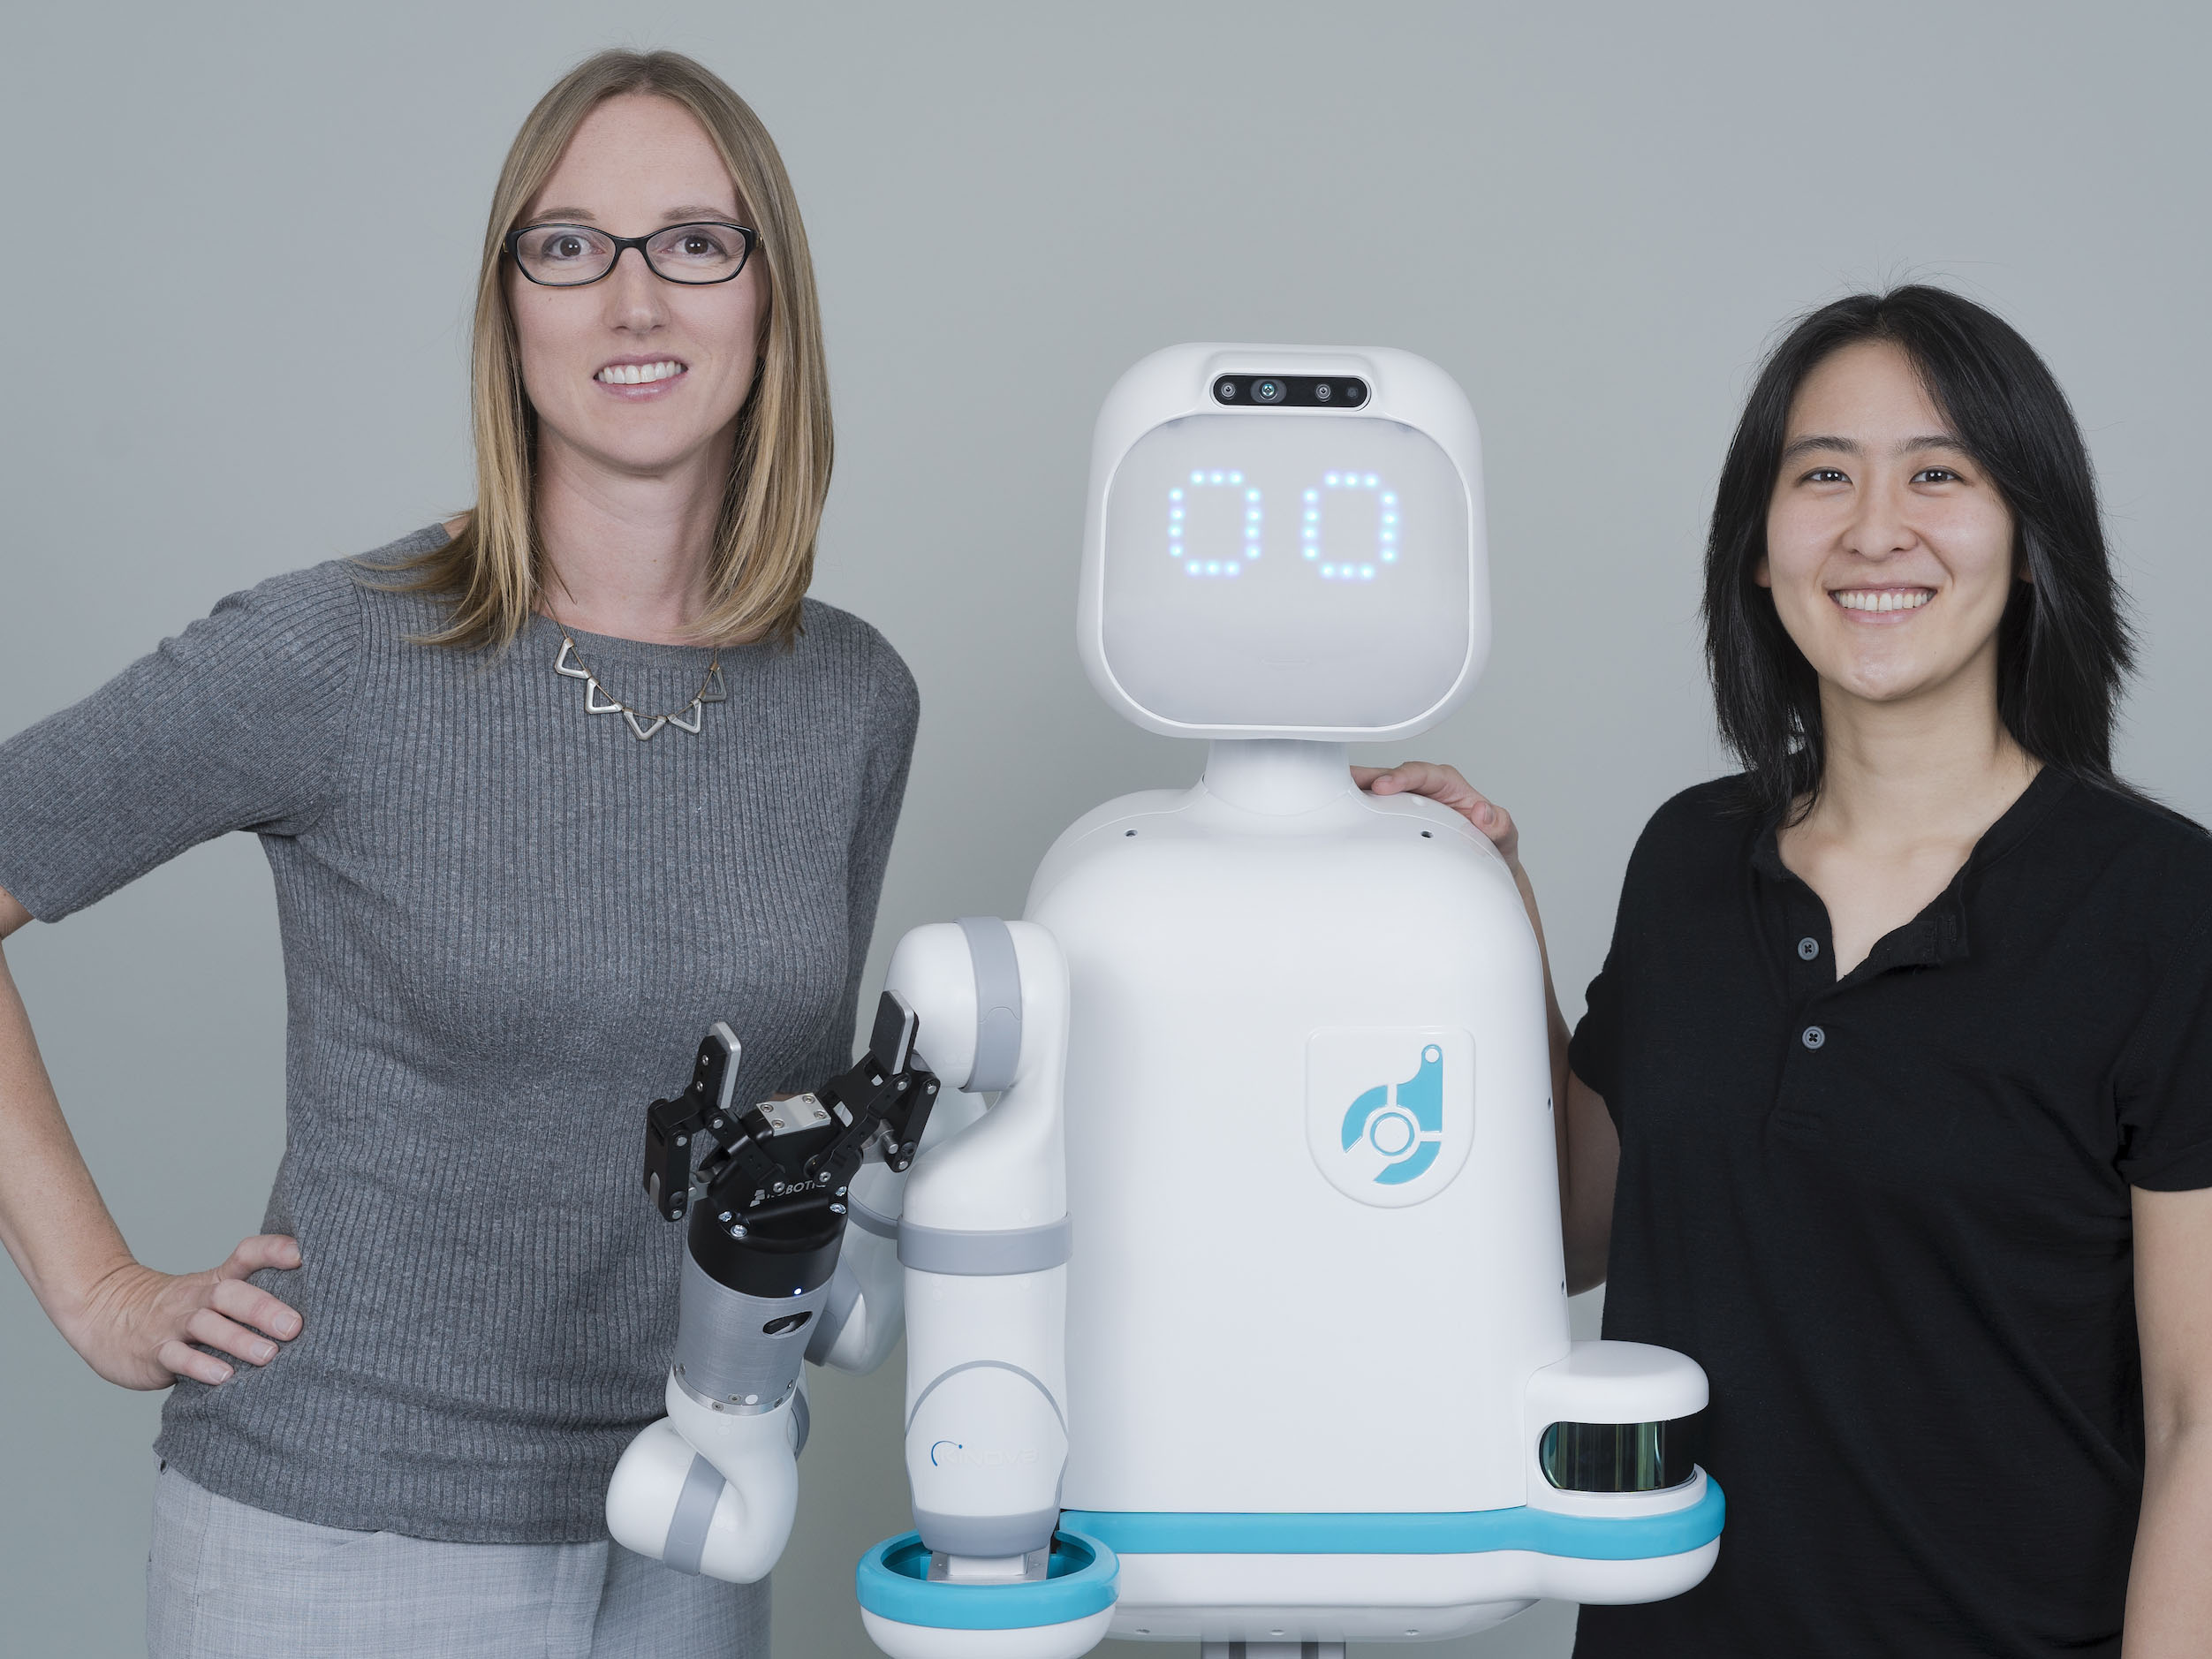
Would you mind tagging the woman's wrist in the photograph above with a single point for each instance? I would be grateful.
(81, 1301)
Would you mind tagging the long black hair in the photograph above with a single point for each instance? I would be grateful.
(2064, 646)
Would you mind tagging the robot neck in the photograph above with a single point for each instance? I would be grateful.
(1276, 777)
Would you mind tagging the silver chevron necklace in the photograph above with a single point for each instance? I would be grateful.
(599, 701)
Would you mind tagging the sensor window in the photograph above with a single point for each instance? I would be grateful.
(1620, 1456)
(1289, 392)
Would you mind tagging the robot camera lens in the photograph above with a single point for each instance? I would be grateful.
(1225, 390)
(1323, 391)
(1267, 391)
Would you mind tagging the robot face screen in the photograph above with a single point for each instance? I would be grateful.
(1305, 570)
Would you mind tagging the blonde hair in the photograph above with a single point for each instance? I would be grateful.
(764, 544)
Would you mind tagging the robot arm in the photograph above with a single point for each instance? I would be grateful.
(712, 1487)
(866, 1311)
(968, 975)
(984, 1241)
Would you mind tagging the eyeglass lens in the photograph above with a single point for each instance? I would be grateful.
(564, 255)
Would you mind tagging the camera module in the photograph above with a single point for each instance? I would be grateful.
(1290, 391)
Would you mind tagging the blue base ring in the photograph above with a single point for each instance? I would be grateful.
(1544, 1532)
(892, 1582)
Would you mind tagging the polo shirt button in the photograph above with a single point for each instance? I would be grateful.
(1813, 1036)
(1808, 948)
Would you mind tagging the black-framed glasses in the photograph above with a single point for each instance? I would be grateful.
(571, 256)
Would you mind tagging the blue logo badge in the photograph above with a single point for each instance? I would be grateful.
(1377, 1134)
(1403, 1124)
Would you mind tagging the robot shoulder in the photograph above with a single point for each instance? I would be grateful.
(1094, 831)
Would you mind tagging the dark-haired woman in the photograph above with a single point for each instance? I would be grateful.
(1894, 1099)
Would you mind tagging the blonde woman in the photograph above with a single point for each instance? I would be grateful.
(544, 790)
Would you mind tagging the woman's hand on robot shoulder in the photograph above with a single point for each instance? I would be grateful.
(137, 1326)
(1443, 784)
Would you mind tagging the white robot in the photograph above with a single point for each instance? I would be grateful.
(1239, 1315)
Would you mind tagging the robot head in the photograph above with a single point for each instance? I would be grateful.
(1284, 541)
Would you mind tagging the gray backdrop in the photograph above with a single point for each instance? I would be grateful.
(240, 246)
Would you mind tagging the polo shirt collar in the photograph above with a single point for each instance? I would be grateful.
(1939, 932)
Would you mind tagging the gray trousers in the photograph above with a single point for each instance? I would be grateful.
(228, 1582)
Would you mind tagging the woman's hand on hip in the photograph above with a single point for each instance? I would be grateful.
(136, 1327)
(1443, 785)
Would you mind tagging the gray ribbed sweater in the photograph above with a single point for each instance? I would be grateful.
(506, 925)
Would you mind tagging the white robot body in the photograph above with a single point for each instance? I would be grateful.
(1248, 980)
(1319, 1385)
(1311, 1154)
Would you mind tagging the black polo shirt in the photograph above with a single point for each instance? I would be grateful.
(1890, 1216)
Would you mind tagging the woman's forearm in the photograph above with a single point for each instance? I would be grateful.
(131, 1324)
(52, 1219)
(2170, 1586)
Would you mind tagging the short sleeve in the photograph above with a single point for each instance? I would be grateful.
(1593, 1054)
(1678, 841)
(2162, 1089)
(233, 724)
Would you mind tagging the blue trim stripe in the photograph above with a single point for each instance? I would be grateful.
(892, 1582)
(1579, 1537)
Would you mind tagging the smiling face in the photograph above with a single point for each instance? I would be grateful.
(1889, 550)
(632, 375)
